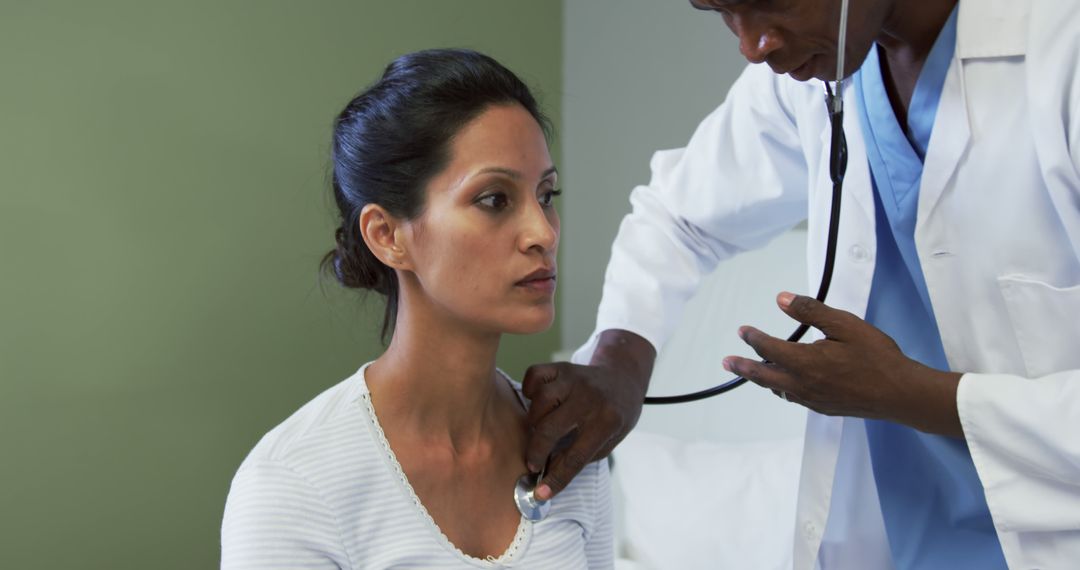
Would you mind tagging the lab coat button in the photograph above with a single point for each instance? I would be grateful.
(810, 530)
(859, 253)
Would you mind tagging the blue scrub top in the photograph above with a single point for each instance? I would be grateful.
(932, 501)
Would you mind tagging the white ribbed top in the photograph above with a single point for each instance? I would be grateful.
(324, 490)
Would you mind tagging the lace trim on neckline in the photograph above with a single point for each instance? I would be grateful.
(489, 561)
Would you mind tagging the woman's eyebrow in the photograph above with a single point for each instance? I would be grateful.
(507, 172)
(514, 174)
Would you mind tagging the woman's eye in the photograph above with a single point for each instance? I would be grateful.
(547, 198)
(496, 201)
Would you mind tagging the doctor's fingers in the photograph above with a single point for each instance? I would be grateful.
(547, 432)
(835, 323)
(788, 354)
(768, 376)
(587, 445)
(547, 386)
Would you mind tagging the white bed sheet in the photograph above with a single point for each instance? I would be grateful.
(685, 505)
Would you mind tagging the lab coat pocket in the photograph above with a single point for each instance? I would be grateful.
(1046, 322)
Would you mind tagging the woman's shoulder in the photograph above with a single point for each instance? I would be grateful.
(595, 477)
(284, 493)
(317, 430)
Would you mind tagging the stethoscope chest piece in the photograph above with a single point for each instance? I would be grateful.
(531, 508)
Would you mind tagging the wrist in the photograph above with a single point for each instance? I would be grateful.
(934, 409)
(627, 353)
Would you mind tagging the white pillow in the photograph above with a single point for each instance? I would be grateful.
(686, 505)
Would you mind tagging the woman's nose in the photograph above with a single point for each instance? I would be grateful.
(541, 229)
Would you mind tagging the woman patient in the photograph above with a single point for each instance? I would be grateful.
(444, 182)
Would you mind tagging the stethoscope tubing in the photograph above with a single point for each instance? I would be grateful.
(834, 103)
(837, 168)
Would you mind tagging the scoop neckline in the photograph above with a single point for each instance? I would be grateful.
(524, 529)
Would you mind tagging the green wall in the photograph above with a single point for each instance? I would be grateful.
(163, 207)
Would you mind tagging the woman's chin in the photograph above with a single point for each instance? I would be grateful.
(531, 322)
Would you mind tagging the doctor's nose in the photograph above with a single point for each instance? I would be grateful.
(756, 38)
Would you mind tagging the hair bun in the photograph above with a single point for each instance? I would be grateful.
(353, 264)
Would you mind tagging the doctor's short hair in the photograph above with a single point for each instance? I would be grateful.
(395, 136)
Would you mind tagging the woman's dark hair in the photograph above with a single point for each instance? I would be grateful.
(392, 138)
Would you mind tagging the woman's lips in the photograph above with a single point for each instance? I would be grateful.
(544, 285)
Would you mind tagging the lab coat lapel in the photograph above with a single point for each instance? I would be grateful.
(985, 29)
(948, 140)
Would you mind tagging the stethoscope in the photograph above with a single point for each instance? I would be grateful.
(534, 509)
(834, 103)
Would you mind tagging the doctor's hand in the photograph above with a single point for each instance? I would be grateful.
(578, 414)
(856, 370)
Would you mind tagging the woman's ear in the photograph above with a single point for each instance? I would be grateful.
(383, 236)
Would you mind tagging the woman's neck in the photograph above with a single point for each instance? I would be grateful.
(437, 382)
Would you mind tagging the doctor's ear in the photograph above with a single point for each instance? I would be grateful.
(383, 235)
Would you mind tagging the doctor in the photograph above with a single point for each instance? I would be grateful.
(944, 386)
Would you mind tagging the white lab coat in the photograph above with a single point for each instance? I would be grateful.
(998, 233)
